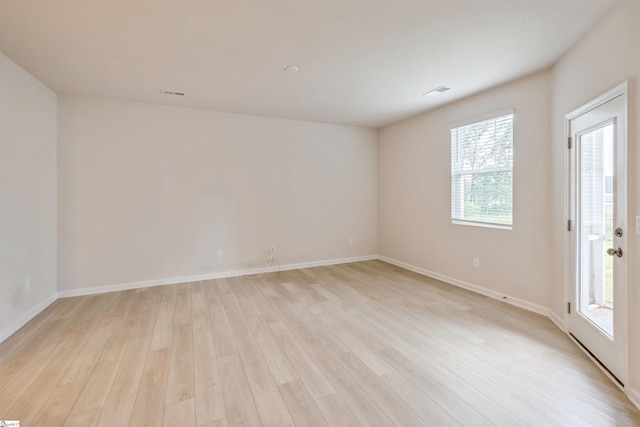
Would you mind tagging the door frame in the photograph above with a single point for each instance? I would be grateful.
(569, 255)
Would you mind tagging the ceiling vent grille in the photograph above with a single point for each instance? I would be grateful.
(169, 92)
(436, 91)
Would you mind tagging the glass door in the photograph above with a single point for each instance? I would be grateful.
(595, 205)
(598, 201)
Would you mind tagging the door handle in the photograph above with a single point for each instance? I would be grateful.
(617, 252)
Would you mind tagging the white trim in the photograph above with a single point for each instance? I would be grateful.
(560, 322)
(569, 207)
(471, 287)
(633, 395)
(488, 116)
(621, 89)
(481, 224)
(13, 328)
(567, 245)
(207, 276)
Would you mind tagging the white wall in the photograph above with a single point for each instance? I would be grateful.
(149, 192)
(28, 228)
(609, 55)
(528, 262)
(415, 203)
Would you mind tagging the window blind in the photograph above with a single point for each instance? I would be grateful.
(482, 172)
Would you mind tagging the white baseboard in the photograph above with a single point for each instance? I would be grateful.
(471, 287)
(207, 276)
(23, 320)
(168, 281)
(633, 395)
(560, 323)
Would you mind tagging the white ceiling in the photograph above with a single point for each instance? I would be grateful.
(361, 62)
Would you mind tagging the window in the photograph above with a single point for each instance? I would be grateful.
(482, 172)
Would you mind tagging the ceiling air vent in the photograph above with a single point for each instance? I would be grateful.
(436, 91)
(169, 92)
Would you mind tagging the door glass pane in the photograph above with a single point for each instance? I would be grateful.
(596, 207)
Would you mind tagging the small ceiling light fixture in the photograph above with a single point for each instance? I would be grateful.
(436, 91)
(291, 69)
(170, 92)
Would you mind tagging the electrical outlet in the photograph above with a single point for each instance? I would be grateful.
(27, 284)
(272, 249)
(350, 241)
(219, 253)
(476, 262)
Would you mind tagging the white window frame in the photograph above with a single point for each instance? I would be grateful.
(458, 217)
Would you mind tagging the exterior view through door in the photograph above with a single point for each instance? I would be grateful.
(598, 225)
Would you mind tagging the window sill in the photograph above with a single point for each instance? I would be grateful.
(482, 224)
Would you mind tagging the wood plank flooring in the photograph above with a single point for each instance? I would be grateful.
(356, 344)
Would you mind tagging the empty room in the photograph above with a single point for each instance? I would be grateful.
(320, 213)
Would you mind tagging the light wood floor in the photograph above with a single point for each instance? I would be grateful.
(354, 344)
